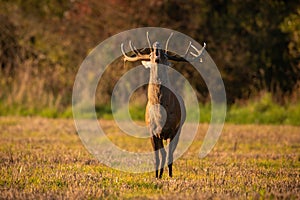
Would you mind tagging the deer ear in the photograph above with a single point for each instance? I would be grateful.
(146, 64)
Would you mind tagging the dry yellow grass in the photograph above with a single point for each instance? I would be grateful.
(45, 159)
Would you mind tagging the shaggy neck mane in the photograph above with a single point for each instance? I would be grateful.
(158, 80)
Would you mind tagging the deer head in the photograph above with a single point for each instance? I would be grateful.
(158, 55)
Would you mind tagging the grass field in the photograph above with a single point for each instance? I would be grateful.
(45, 159)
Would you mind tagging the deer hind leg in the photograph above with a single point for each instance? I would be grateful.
(157, 145)
(172, 146)
(163, 157)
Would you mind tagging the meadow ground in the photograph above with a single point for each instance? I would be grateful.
(45, 159)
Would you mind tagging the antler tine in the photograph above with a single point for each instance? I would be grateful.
(133, 48)
(199, 52)
(184, 57)
(167, 43)
(149, 42)
(187, 50)
(122, 49)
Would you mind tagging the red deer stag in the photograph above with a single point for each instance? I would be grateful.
(165, 111)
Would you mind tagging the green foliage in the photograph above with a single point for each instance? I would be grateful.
(291, 25)
(244, 41)
(205, 113)
(46, 8)
(264, 111)
(261, 111)
(293, 114)
(256, 49)
(104, 111)
(67, 113)
(137, 112)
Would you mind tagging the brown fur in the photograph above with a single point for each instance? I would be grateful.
(163, 125)
(165, 111)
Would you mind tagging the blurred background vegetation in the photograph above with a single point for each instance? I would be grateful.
(255, 44)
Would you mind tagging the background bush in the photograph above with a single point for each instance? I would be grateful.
(255, 44)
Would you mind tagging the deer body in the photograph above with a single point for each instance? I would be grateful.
(165, 110)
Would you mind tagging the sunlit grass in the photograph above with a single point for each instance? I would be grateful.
(44, 158)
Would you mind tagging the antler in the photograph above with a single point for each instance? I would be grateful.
(184, 58)
(138, 55)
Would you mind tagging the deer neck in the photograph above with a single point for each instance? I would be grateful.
(158, 79)
(158, 70)
(159, 75)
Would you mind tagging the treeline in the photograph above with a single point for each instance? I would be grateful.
(255, 44)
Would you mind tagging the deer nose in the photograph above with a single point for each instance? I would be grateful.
(157, 55)
(156, 45)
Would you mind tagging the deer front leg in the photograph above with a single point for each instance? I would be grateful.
(172, 146)
(156, 154)
(157, 145)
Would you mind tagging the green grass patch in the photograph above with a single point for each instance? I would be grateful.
(264, 111)
(261, 111)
